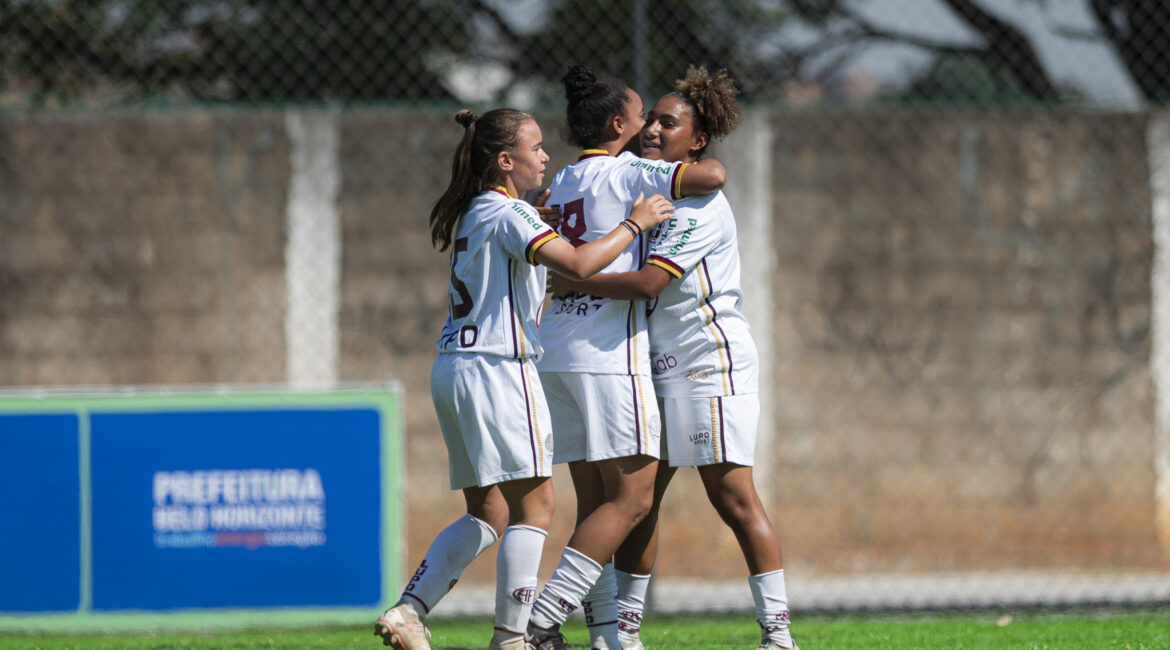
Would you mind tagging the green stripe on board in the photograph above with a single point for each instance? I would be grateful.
(188, 620)
(85, 602)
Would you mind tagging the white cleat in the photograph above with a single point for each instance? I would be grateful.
(402, 629)
(515, 643)
(631, 642)
(772, 644)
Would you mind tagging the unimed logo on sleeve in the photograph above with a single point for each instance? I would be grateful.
(252, 508)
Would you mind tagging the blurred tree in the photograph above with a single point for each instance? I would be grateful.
(1140, 33)
(258, 50)
(1003, 63)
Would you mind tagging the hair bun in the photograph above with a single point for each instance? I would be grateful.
(465, 117)
(579, 82)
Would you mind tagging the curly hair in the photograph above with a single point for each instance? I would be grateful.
(712, 100)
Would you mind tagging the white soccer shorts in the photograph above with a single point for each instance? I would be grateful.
(710, 430)
(494, 417)
(602, 416)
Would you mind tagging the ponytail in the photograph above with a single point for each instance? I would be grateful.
(592, 102)
(473, 169)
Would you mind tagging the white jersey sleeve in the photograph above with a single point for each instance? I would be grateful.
(700, 342)
(584, 333)
(496, 289)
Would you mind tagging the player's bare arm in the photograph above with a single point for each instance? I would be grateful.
(703, 177)
(644, 284)
(581, 262)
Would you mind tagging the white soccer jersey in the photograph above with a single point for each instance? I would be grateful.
(584, 333)
(496, 287)
(700, 343)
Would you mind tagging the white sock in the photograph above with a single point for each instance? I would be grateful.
(562, 594)
(771, 599)
(601, 611)
(632, 589)
(517, 563)
(453, 549)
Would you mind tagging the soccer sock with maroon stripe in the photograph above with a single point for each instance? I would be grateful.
(771, 599)
(601, 611)
(453, 549)
(632, 588)
(517, 563)
(563, 592)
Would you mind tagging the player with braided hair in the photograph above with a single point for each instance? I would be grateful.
(705, 362)
(486, 391)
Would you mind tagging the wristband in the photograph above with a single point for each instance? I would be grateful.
(634, 223)
(632, 233)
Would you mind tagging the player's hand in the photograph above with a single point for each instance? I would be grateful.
(650, 212)
(558, 286)
(549, 215)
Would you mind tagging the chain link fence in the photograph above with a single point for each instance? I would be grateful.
(952, 214)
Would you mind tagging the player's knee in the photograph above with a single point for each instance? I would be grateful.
(733, 510)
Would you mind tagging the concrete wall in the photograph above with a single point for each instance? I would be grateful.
(958, 313)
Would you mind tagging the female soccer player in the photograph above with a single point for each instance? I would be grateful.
(485, 388)
(705, 362)
(596, 365)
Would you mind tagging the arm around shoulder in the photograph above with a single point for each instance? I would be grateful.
(702, 177)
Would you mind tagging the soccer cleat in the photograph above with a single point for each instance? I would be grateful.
(772, 644)
(515, 643)
(402, 629)
(631, 642)
(544, 638)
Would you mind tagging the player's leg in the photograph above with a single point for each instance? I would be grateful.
(633, 563)
(600, 602)
(530, 503)
(448, 555)
(731, 490)
(629, 484)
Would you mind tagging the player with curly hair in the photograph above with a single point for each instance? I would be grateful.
(484, 384)
(705, 362)
(596, 364)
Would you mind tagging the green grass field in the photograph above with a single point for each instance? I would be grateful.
(1147, 629)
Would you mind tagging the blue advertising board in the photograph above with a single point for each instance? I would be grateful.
(240, 501)
(40, 548)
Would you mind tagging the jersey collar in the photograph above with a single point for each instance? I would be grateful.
(502, 190)
(592, 153)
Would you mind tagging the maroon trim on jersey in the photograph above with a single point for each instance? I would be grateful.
(676, 183)
(631, 332)
(512, 311)
(722, 430)
(715, 321)
(501, 191)
(666, 265)
(637, 413)
(528, 410)
(592, 153)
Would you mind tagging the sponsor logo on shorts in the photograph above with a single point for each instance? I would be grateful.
(524, 595)
(697, 375)
(664, 362)
(700, 438)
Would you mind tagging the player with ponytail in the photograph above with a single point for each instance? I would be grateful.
(486, 391)
(709, 392)
(596, 368)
